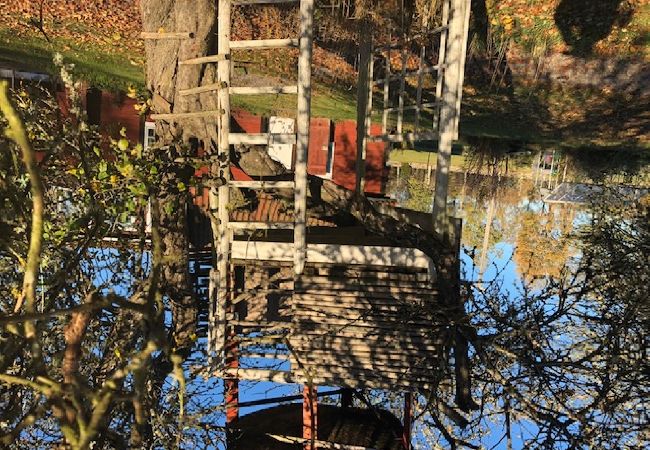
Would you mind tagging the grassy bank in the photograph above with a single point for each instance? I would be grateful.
(109, 71)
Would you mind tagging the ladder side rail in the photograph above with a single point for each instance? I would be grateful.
(442, 50)
(223, 253)
(303, 122)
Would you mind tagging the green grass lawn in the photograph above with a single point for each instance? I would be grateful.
(113, 72)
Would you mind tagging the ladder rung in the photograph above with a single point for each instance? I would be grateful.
(261, 2)
(260, 225)
(405, 137)
(204, 60)
(200, 89)
(261, 138)
(264, 43)
(244, 90)
(168, 35)
(262, 184)
(413, 107)
(411, 74)
(188, 115)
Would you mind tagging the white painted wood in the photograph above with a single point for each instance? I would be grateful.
(203, 60)
(402, 85)
(384, 121)
(324, 445)
(303, 123)
(463, 58)
(264, 43)
(200, 89)
(278, 151)
(166, 35)
(364, 102)
(260, 225)
(262, 184)
(261, 2)
(448, 111)
(224, 241)
(187, 115)
(441, 59)
(332, 254)
(418, 96)
(261, 138)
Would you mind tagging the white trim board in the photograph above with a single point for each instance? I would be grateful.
(369, 255)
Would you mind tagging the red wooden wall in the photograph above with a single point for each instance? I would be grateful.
(345, 158)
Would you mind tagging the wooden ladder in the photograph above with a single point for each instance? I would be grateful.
(219, 200)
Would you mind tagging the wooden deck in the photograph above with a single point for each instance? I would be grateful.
(338, 324)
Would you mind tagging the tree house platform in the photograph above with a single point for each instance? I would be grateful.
(360, 316)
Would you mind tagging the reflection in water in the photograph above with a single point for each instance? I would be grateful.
(505, 222)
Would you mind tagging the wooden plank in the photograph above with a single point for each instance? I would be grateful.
(261, 2)
(261, 138)
(187, 115)
(333, 254)
(223, 98)
(253, 226)
(358, 374)
(376, 273)
(448, 112)
(166, 35)
(264, 43)
(303, 128)
(275, 376)
(354, 362)
(262, 184)
(384, 121)
(442, 52)
(416, 107)
(200, 89)
(327, 341)
(324, 445)
(402, 85)
(406, 137)
(385, 356)
(203, 60)
(381, 285)
(332, 305)
(461, 74)
(252, 90)
(364, 98)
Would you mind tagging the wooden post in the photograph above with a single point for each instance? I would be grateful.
(402, 88)
(346, 398)
(223, 249)
(408, 419)
(303, 122)
(384, 121)
(231, 387)
(442, 51)
(461, 74)
(309, 417)
(418, 98)
(448, 111)
(364, 101)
